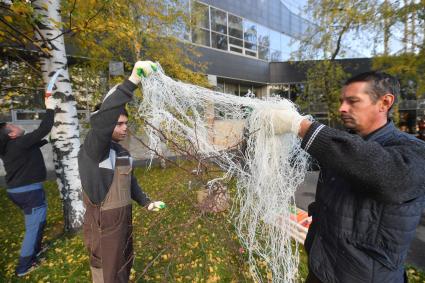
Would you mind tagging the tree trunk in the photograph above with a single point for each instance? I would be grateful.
(65, 135)
(413, 27)
(405, 20)
(386, 28)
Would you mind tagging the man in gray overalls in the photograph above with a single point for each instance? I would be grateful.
(109, 185)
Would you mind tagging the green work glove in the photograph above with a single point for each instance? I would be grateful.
(156, 206)
(142, 69)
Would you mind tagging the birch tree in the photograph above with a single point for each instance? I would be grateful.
(65, 136)
(121, 30)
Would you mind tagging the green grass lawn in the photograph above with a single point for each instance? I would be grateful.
(178, 244)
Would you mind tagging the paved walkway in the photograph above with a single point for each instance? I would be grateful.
(416, 255)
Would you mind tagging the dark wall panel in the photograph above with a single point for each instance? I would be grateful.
(285, 72)
(225, 64)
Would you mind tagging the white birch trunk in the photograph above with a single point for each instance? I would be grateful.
(65, 136)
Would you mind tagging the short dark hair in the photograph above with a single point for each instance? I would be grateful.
(4, 137)
(124, 112)
(97, 107)
(380, 83)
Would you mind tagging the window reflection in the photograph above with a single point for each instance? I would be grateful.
(289, 91)
(285, 42)
(218, 21)
(276, 55)
(231, 88)
(263, 53)
(263, 36)
(200, 15)
(232, 33)
(201, 36)
(235, 45)
(250, 31)
(250, 49)
(274, 40)
(244, 89)
(218, 41)
(235, 26)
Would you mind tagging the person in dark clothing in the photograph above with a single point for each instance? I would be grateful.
(421, 129)
(109, 185)
(25, 172)
(371, 189)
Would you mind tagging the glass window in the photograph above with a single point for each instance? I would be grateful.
(250, 46)
(218, 21)
(289, 45)
(295, 45)
(263, 36)
(220, 87)
(235, 45)
(263, 52)
(235, 26)
(200, 15)
(250, 31)
(296, 90)
(201, 36)
(275, 40)
(285, 42)
(231, 88)
(244, 89)
(281, 90)
(286, 56)
(275, 55)
(219, 41)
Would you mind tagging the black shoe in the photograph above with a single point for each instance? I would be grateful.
(33, 267)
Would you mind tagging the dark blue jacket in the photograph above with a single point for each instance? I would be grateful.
(369, 200)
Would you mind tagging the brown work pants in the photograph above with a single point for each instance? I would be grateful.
(108, 230)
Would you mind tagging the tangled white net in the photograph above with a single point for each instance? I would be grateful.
(267, 176)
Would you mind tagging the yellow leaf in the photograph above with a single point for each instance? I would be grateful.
(8, 19)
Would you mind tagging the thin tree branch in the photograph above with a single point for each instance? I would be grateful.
(338, 42)
(70, 13)
(25, 36)
(13, 38)
(29, 65)
(86, 24)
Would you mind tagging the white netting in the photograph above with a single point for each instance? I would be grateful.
(267, 177)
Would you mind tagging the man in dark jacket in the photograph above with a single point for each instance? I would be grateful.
(25, 172)
(109, 185)
(371, 189)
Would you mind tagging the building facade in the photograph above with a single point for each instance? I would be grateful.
(247, 47)
(239, 40)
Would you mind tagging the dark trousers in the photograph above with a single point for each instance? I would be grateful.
(311, 278)
(32, 201)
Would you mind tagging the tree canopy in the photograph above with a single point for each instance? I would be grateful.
(392, 30)
(96, 32)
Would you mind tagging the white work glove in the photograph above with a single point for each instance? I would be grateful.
(142, 69)
(50, 102)
(156, 206)
(285, 121)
